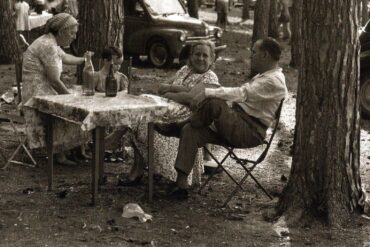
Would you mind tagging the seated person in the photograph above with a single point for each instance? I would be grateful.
(242, 125)
(197, 73)
(110, 54)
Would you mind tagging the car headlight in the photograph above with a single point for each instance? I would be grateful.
(219, 33)
(182, 37)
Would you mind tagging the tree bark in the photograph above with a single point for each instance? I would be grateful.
(365, 12)
(296, 40)
(261, 20)
(10, 49)
(325, 180)
(101, 25)
(245, 12)
(193, 8)
(273, 28)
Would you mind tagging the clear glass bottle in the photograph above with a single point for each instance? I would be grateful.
(111, 83)
(88, 85)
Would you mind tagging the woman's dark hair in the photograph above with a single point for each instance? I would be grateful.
(272, 47)
(111, 51)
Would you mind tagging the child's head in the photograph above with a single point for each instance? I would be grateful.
(112, 53)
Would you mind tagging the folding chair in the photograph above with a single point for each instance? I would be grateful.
(13, 119)
(243, 162)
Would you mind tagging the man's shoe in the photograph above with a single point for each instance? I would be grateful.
(168, 129)
(178, 193)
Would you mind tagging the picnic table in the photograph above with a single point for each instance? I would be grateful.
(95, 113)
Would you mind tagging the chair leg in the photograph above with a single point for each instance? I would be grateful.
(11, 159)
(223, 168)
(251, 175)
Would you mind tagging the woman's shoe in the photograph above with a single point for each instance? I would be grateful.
(126, 181)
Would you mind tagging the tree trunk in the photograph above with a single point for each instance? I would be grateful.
(193, 7)
(325, 180)
(273, 28)
(9, 47)
(245, 12)
(101, 25)
(261, 20)
(365, 12)
(296, 40)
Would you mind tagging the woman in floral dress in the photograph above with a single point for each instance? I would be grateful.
(42, 68)
(178, 95)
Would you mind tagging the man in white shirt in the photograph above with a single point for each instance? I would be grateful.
(238, 116)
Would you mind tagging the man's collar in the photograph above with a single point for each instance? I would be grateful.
(268, 72)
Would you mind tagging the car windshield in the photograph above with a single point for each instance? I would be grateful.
(164, 7)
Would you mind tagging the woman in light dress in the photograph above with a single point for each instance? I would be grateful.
(178, 94)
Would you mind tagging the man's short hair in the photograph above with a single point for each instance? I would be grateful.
(111, 51)
(272, 47)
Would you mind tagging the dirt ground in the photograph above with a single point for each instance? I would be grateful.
(32, 216)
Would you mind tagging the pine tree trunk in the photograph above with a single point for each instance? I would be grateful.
(245, 12)
(273, 20)
(325, 180)
(261, 20)
(296, 40)
(193, 7)
(10, 50)
(101, 25)
(365, 11)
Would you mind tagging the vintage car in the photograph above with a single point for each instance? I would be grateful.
(365, 70)
(162, 30)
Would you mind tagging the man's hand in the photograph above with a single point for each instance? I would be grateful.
(164, 88)
(198, 98)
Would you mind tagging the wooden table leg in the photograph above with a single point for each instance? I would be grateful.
(101, 154)
(95, 163)
(50, 150)
(150, 159)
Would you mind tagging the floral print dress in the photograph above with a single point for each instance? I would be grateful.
(165, 148)
(44, 52)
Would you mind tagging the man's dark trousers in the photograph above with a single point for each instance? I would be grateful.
(231, 128)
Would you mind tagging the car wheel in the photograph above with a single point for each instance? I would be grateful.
(365, 96)
(159, 54)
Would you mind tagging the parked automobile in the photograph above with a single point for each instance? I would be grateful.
(365, 70)
(162, 30)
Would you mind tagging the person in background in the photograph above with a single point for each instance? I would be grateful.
(284, 18)
(42, 68)
(21, 9)
(109, 55)
(222, 9)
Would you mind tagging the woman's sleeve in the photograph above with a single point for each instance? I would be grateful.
(179, 75)
(50, 55)
(211, 78)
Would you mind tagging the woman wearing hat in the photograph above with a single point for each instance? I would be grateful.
(42, 68)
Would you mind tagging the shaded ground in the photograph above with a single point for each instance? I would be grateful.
(31, 216)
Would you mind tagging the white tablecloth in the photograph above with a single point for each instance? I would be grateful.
(38, 20)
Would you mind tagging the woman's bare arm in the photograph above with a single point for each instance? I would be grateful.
(53, 76)
(72, 60)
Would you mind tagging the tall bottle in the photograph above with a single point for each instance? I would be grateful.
(88, 85)
(111, 83)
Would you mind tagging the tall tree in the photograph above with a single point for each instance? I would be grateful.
(273, 28)
(261, 20)
(193, 7)
(101, 25)
(9, 50)
(365, 11)
(245, 11)
(296, 26)
(325, 181)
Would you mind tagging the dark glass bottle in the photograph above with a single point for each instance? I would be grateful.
(111, 83)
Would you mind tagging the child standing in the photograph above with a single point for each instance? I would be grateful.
(108, 55)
